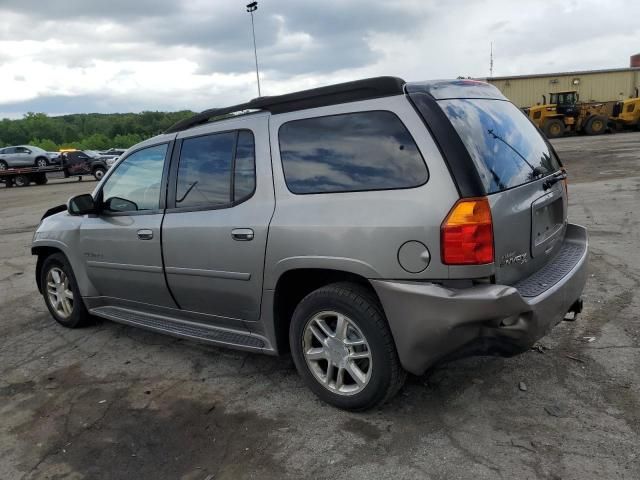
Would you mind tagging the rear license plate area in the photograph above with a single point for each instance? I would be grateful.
(547, 222)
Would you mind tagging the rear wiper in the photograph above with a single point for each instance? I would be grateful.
(555, 178)
(534, 170)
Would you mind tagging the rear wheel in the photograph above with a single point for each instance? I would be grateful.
(554, 128)
(41, 162)
(60, 292)
(343, 349)
(99, 172)
(21, 180)
(596, 125)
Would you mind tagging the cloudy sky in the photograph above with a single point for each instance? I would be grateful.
(68, 56)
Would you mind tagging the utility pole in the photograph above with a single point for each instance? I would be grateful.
(252, 7)
(491, 62)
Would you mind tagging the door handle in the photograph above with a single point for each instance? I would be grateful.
(145, 234)
(242, 234)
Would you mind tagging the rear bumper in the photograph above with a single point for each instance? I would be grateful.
(431, 323)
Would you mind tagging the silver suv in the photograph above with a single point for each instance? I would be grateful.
(370, 228)
(26, 156)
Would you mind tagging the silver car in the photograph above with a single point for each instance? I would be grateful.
(371, 229)
(25, 156)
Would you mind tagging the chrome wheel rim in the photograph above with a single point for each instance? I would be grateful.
(3, 166)
(41, 163)
(99, 174)
(337, 353)
(59, 292)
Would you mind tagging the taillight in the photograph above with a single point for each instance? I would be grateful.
(466, 235)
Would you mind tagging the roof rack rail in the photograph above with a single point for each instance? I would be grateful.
(316, 97)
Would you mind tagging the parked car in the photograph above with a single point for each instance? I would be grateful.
(371, 228)
(111, 161)
(25, 156)
(113, 152)
(79, 162)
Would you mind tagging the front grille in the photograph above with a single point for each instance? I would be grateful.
(552, 272)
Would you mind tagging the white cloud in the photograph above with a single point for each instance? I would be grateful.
(197, 54)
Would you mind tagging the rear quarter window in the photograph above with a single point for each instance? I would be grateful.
(350, 152)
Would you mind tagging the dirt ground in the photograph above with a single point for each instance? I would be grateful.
(114, 402)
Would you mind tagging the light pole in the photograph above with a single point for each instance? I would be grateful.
(252, 7)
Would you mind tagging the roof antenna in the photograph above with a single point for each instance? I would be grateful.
(491, 62)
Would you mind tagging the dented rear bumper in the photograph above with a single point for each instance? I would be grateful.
(431, 323)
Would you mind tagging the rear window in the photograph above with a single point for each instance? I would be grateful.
(350, 152)
(505, 146)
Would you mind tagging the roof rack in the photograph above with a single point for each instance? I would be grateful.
(316, 97)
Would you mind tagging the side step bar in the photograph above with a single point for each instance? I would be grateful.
(184, 329)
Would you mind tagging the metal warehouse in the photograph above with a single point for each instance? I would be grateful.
(594, 85)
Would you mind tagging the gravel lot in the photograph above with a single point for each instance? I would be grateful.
(114, 402)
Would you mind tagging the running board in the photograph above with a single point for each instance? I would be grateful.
(183, 329)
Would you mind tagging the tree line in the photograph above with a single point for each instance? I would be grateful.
(86, 131)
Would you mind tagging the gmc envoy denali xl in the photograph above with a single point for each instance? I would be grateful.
(370, 228)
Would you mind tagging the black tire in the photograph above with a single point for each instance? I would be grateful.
(21, 180)
(363, 309)
(41, 179)
(3, 165)
(99, 172)
(41, 162)
(79, 316)
(596, 125)
(554, 128)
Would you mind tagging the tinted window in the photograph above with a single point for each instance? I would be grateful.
(505, 146)
(245, 168)
(351, 152)
(135, 184)
(207, 165)
(204, 172)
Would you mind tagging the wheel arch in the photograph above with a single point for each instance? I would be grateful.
(43, 251)
(46, 247)
(293, 285)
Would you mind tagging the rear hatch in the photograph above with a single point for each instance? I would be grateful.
(519, 173)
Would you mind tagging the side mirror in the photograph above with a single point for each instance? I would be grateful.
(81, 204)
(117, 204)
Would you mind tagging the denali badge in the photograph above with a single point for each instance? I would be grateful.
(511, 258)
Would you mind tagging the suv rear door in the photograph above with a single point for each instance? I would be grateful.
(519, 172)
(220, 203)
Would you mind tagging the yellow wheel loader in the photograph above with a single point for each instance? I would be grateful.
(626, 114)
(566, 114)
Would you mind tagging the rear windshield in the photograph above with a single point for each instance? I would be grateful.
(505, 146)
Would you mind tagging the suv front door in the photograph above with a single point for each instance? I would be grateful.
(220, 203)
(121, 245)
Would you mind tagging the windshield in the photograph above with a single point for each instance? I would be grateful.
(505, 146)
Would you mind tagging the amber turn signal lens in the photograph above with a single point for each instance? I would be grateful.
(466, 235)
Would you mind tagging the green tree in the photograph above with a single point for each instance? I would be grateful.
(45, 144)
(95, 131)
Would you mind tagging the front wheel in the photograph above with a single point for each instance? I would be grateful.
(41, 162)
(343, 349)
(61, 293)
(596, 125)
(98, 173)
(554, 128)
(3, 165)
